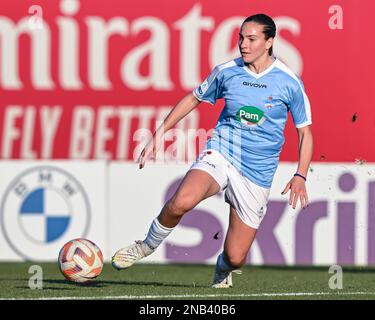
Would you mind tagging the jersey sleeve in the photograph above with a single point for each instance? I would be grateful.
(300, 107)
(211, 88)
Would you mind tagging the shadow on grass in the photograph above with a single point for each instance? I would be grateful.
(249, 267)
(46, 288)
(350, 269)
(103, 283)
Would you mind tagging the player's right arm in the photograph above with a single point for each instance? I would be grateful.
(181, 109)
(208, 91)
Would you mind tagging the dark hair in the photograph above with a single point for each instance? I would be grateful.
(269, 26)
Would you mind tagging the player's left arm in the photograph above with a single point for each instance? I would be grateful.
(297, 184)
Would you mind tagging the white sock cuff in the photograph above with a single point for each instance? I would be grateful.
(156, 234)
(161, 227)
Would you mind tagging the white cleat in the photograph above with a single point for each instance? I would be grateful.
(222, 280)
(126, 257)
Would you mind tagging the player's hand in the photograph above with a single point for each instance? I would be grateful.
(149, 151)
(297, 189)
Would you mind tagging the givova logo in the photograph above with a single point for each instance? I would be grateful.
(250, 116)
(42, 209)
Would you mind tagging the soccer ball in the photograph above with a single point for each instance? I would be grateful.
(80, 260)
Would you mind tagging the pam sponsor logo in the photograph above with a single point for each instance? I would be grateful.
(250, 116)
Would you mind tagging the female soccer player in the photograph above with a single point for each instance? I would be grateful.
(243, 153)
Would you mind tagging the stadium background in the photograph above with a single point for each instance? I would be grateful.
(75, 92)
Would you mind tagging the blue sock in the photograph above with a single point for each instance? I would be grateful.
(222, 265)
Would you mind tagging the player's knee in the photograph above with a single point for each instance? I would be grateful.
(180, 204)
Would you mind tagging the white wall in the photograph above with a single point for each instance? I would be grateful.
(74, 192)
(338, 226)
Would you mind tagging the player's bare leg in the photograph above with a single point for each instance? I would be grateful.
(237, 244)
(196, 186)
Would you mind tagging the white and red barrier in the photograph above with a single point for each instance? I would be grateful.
(80, 81)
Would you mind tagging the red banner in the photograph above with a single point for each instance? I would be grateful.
(78, 79)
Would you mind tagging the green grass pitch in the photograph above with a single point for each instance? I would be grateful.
(192, 282)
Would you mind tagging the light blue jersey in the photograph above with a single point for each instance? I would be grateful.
(250, 129)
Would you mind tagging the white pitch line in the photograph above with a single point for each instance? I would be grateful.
(243, 295)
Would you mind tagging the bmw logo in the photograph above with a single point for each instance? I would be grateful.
(42, 209)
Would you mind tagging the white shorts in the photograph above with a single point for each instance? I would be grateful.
(249, 199)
